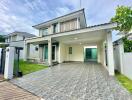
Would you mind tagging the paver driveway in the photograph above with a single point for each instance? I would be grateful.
(9, 91)
(73, 81)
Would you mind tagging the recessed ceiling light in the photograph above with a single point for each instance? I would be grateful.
(75, 38)
(80, 43)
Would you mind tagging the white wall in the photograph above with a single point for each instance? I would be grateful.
(123, 61)
(117, 58)
(33, 52)
(127, 65)
(19, 37)
(17, 43)
(77, 53)
(62, 53)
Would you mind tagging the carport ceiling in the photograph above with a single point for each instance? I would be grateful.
(82, 38)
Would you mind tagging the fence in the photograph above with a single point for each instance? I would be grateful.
(127, 64)
(123, 60)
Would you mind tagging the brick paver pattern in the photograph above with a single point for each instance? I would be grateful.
(74, 81)
(9, 91)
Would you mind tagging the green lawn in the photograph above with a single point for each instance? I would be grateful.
(27, 67)
(127, 83)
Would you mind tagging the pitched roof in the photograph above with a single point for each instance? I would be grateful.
(61, 17)
(27, 35)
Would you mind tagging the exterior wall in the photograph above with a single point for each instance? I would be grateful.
(127, 65)
(40, 53)
(19, 38)
(14, 38)
(17, 43)
(77, 53)
(62, 53)
(117, 58)
(63, 26)
(101, 54)
(68, 25)
(123, 60)
(34, 54)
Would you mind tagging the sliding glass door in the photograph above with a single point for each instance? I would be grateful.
(53, 52)
(90, 54)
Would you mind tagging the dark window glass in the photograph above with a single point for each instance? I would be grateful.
(55, 28)
(70, 50)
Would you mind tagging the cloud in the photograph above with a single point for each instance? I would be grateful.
(21, 15)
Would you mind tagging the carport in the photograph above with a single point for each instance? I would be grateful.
(70, 45)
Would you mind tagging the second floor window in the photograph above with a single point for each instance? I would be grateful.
(45, 31)
(55, 27)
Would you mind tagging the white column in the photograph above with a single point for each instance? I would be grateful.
(104, 55)
(40, 53)
(26, 51)
(52, 29)
(59, 27)
(98, 53)
(78, 23)
(50, 52)
(9, 63)
(121, 52)
(110, 56)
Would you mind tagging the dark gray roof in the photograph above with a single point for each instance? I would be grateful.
(120, 39)
(27, 35)
(61, 17)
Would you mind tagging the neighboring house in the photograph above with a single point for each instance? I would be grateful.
(123, 60)
(67, 38)
(16, 39)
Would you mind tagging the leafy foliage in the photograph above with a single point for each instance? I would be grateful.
(2, 39)
(127, 45)
(123, 18)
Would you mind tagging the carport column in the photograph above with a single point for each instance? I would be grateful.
(103, 54)
(26, 51)
(110, 56)
(49, 52)
(98, 53)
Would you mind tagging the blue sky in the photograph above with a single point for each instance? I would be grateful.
(21, 15)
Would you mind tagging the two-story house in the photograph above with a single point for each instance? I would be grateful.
(67, 38)
(16, 39)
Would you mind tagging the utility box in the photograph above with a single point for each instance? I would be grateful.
(9, 63)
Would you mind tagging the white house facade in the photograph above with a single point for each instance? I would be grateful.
(67, 38)
(16, 39)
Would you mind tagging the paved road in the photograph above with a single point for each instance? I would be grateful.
(73, 81)
(9, 91)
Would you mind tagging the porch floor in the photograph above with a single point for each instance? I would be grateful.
(73, 81)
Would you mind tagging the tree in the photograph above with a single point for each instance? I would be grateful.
(123, 18)
(127, 44)
(2, 39)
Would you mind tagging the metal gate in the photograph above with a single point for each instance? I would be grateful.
(2, 61)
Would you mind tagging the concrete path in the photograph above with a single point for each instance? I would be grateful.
(73, 81)
(9, 91)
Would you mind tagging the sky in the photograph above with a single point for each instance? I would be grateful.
(21, 15)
